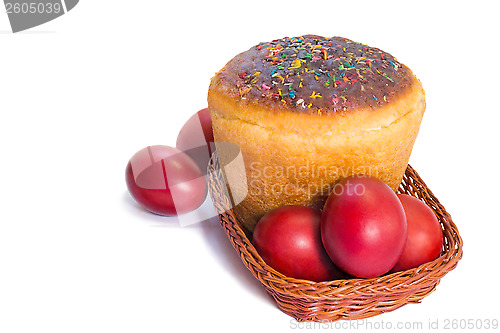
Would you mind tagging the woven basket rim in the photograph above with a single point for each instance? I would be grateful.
(403, 287)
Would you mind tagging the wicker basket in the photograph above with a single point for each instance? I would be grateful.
(342, 299)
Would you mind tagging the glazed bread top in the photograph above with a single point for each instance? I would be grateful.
(314, 75)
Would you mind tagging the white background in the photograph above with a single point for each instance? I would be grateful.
(81, 94)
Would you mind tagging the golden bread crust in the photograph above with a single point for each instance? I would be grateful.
(295, 159)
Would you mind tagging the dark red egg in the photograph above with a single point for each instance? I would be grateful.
(288, 239)
(196, 138)
(165, 181)
(363, 226)
(425, 236)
